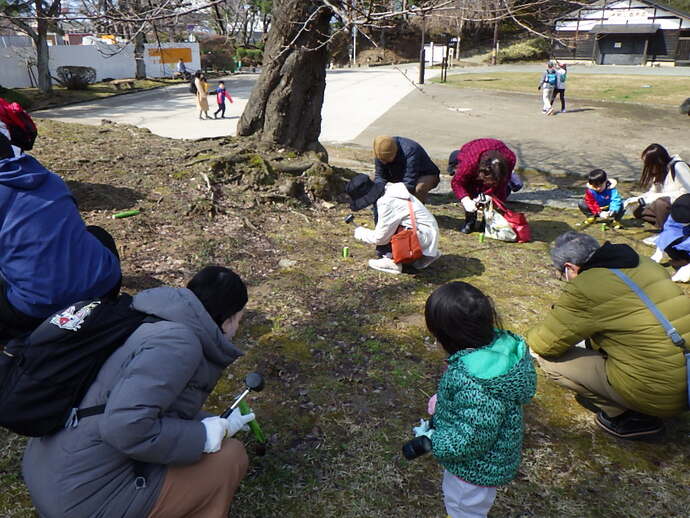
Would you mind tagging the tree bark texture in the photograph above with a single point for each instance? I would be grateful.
(45, 84)
(139, 49)
(285, 105)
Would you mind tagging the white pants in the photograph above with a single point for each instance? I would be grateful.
(546, 94)
(465, 500)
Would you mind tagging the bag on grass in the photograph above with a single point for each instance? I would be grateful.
(44, 377)
(405, 243)
(503, 224)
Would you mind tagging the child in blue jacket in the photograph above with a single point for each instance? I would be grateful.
(477, 413)
(602, 200)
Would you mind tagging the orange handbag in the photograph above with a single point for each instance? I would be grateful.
(405, 243)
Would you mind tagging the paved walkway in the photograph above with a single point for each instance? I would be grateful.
(353, 100)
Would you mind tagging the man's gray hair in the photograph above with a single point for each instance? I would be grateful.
(573, 247)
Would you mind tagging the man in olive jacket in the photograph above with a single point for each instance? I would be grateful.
(631, 370)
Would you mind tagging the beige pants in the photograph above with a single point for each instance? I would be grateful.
(584, 371)
(424, 185)
(204, 489)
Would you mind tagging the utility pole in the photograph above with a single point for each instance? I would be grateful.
(354, 45)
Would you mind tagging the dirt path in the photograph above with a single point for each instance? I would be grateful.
(590, 135)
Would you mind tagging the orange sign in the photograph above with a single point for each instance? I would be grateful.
(172, 55)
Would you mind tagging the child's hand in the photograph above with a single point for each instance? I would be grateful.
(423, 429)
(605, 214)
(431, 405)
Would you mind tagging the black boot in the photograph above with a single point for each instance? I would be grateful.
(470, 223)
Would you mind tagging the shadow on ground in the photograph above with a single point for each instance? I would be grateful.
(101, 196)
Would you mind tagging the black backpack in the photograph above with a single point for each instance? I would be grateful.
(192, 86)
(44, 377)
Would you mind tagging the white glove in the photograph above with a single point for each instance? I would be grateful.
(236, 422)
(631, 200)
(360, 233)
(605, 214)
(682, 275)
(468, 204)
(658, 255)
(216, 430)
(423, 429)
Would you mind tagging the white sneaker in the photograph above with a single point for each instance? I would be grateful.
(385, 264)
(651, 240)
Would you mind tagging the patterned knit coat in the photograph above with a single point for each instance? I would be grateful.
(478, 419)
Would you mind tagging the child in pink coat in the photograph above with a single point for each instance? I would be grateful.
(221, 95)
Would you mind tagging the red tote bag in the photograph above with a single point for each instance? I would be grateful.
(517, 220)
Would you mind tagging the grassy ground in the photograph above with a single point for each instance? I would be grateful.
(348, 362)
(62, 96)
(595, 87)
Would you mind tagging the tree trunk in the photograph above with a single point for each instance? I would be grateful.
(45, 84)
(139, 41)
(285, 104)
(495, 44)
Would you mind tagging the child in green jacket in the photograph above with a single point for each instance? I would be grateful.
(477, 412)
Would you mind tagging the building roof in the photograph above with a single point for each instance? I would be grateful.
(628, 28)
(651, 3)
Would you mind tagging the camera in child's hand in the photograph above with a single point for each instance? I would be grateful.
(416, 447)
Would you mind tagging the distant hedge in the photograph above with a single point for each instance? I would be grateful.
(528, 50)
(13, 96)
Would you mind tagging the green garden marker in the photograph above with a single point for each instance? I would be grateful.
(126, 214)
(603, 227)
(481, 237)
(253, 425)
(346, 252)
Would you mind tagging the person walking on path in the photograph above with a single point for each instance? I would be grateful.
(482, 166)
(48, 257)
(201, 94)
(668, 178)
(561, 77)
(547, 85)
(400, 159)
(393, 208)
(221, 95)
(153, 452)
(631, 371)
(477, 426)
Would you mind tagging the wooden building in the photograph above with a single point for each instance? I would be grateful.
(624, 32)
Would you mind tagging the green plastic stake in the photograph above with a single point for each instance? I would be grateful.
(126, 214)
(253, 425)
(481, 237)
(603, 227)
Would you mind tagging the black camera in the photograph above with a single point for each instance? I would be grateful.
(416, 447)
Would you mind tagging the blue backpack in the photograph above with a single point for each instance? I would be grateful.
(551, 78)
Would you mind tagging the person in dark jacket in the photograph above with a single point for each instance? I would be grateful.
(153, 452)
(400, 159)
(48, 257)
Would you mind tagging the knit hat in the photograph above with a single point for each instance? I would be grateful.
(453, 162)
(685, 107)
(17, 125)
(680, 210)
(363, 191)
(385, 148)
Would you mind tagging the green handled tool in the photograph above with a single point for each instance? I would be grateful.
(253, 425)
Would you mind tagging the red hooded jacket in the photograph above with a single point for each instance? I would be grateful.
(466, 181)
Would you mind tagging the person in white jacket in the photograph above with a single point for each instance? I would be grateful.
(393, 211)
(668, 178)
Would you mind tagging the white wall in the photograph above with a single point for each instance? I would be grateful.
(102, 58)
(618, 13)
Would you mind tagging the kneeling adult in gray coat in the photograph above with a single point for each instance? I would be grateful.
(153, 453)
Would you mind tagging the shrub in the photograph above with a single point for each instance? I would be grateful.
(216, 53)
(76, 78)
(528, 50)
(12, 96)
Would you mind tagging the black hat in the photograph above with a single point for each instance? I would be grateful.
(453, 162)
(680, 210)
(363, 191)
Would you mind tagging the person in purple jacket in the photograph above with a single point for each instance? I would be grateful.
(48, 257)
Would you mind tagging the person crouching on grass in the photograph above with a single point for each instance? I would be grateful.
(602, 200)
(477, 413)
(221, 95)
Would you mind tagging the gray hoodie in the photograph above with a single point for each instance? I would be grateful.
(154, 387)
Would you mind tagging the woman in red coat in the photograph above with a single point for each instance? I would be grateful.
(481, 166)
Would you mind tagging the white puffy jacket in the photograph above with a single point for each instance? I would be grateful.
(393, 211)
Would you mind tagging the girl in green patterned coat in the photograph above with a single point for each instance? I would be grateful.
(477, 413)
